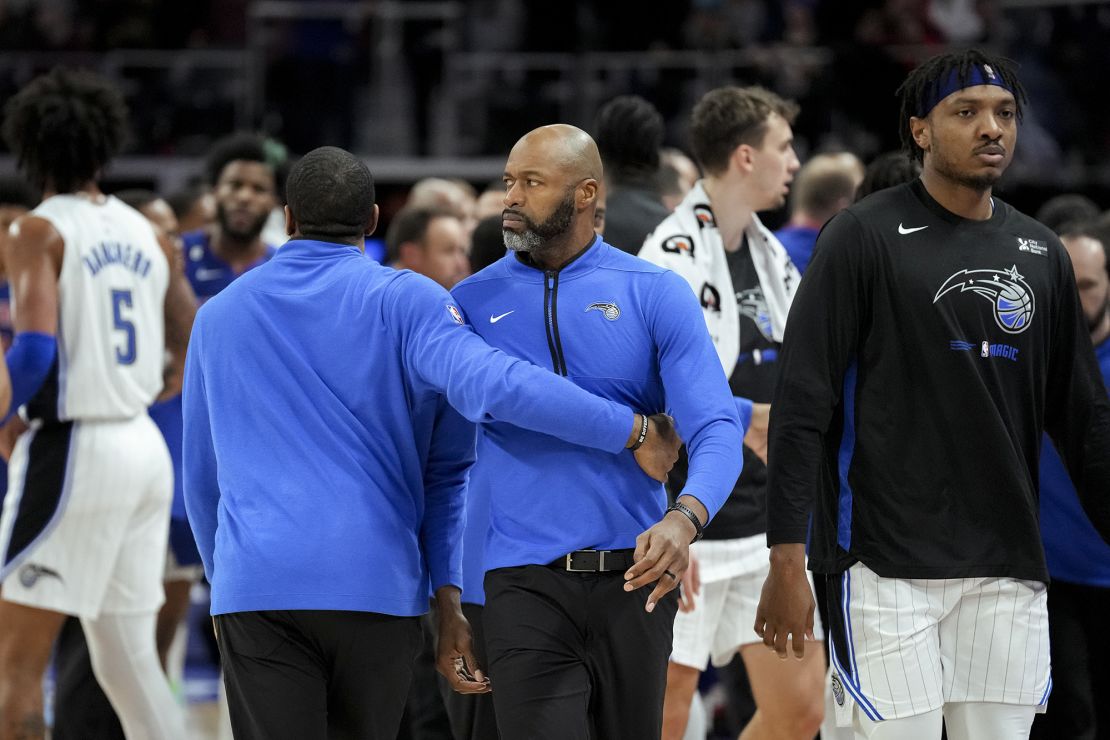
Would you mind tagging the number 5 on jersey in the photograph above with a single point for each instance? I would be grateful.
(121, 299)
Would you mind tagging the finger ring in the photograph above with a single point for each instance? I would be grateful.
(672, 575)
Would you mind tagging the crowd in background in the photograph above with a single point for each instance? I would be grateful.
(448, 228)
(839, 60)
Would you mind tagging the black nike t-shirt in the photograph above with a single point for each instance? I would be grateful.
(924, 355)
(754, 377)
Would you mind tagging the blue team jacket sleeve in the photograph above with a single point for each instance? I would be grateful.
(698, 396)
(1077, 411)
(445, 475)
(744, 409)
(202, 490)
(485, 384)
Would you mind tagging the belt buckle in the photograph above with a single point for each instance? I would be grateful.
(600, 564)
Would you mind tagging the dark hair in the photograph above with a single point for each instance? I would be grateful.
(923, 82)
(331, 194)
(64, 126)
(629, 135)
(14, 191)
(247, 147)
(410, 224)
(487, 243)
(183, 200)
(1067, 209)
(727, 117)
(137, 198)
(1097, 229)
(886, 171)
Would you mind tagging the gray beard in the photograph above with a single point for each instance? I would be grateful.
(526, 241)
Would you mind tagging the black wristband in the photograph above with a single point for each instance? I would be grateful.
(643, 433)
(684, 509)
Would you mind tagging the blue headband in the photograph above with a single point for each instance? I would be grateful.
(980, 74)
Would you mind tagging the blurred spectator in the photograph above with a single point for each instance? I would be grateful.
(629, 134)
(491, 202)
(825, 186)
(1068, 208)
(156, 210)
(429, 241)
(487, 243)
(453, 195)
(681, 163)
(16, 198)
(1078, 558)
(886, 171)
(195, 208)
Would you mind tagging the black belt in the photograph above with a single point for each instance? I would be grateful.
(594, 561)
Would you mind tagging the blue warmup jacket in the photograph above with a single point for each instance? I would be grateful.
(623, 329)
(323, 468)
(207, 275)
(1075, 551)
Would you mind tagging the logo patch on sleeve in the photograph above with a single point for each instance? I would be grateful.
(456, 316)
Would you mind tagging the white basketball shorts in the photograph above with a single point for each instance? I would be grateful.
(903, 647)
(86, 519)
(723, 619)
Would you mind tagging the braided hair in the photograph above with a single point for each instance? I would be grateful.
(64, 126)
(924, 82)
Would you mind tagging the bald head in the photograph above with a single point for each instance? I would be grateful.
(571, 148)
(552, 181)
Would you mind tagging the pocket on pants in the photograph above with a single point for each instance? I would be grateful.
(251, 634)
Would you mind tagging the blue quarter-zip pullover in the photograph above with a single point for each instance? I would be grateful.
(623, 329)
(323, 469)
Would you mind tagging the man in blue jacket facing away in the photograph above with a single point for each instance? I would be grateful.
(325, 468)
(582, 552)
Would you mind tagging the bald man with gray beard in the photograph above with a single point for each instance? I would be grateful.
(580, 552)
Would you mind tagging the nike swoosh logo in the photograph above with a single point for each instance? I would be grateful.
(903, 230)
(495, 319)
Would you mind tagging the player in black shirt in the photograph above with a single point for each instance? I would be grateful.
(937, 332)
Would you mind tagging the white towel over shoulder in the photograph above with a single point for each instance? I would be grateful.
(689, 243)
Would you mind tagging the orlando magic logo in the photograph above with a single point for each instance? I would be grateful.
(752, 304)
(608, 310)
(30, 573)
(1009, 294)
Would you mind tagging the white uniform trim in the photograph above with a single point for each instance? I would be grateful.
(905, 647)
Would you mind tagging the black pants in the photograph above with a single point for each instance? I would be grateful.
(81, 710)
(308, 674)
(574, 657)
(425, 717)
(1079, 708)
(472, 716)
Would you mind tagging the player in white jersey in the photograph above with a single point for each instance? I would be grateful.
(96, 305)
